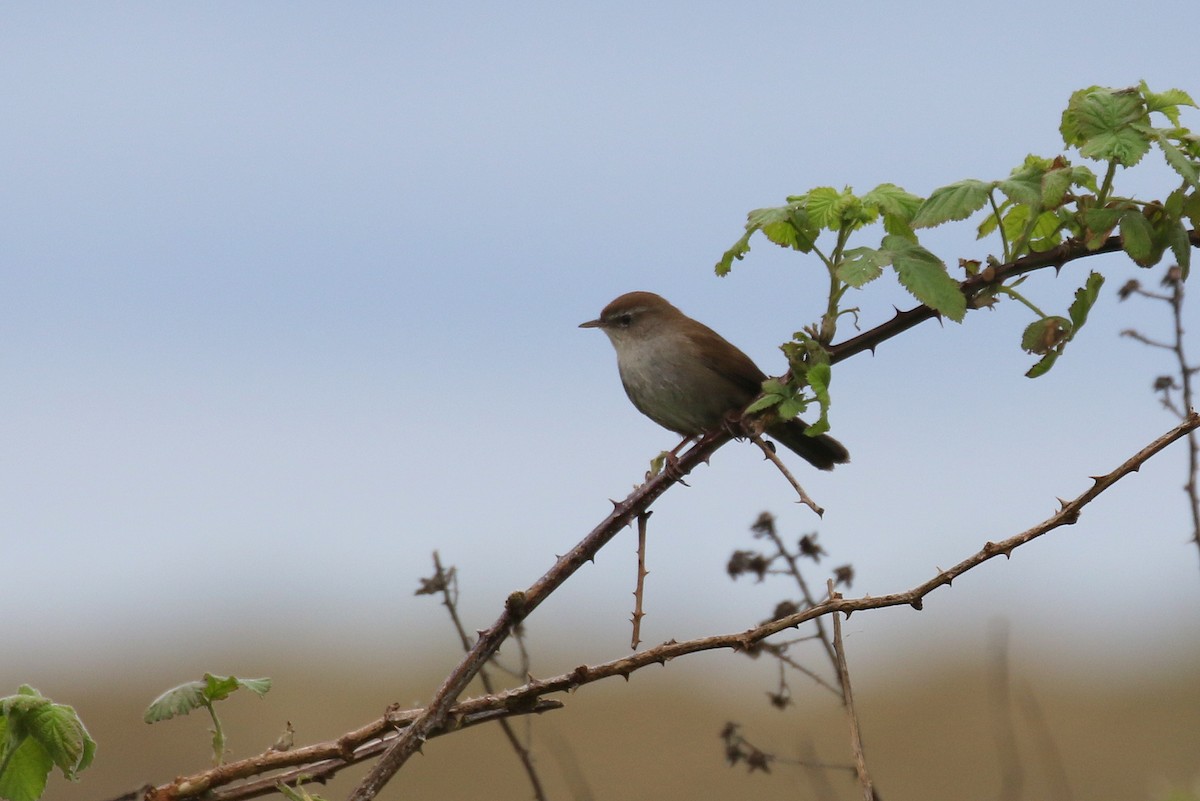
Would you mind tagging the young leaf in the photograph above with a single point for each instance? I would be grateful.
(1046, 231)
(35, 735)
(176, 701)
(1046, 334)
(818, 377)
(924, 275)
(1178, 159)
(1015, 220)
(774, 393)
(1043, 366)
(738, 251)
(197, 694)
(1166, 103)
(1137, 237)
(1181, 246)
(958, 201)
(1103, 124)
(1098, 225)
(825, 205)
(893, 202)
(1085, 298)
(860, 266)
(1024, 185)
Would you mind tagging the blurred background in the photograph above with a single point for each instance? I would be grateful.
(290, 295)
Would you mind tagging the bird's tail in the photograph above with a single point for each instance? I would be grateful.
(821, 451)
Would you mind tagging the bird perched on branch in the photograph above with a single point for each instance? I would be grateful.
(687, 377)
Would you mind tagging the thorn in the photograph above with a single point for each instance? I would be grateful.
(918, 604)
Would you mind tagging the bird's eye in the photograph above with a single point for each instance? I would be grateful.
(624, 320)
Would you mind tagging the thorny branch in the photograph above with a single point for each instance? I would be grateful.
(324, 759)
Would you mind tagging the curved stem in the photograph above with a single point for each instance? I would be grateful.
(218, 736)
(1106, 187)
(999, 226)
(1015, 295)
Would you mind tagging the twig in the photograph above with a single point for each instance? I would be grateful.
(767, 529)
(1174, 280)
(856, 746)
(770, 454)
(320, 761)
(450, 601)
(638, 591)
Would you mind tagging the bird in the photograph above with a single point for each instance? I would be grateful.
(687, 377)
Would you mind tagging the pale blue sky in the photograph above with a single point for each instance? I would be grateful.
(290, 294)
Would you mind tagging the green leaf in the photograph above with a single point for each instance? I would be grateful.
(1098, 225)
(792, 406)
(860, 266)
(924, 275)
(1046, 334)
(1024, 185)
(1166, 103)
(1014, 222)
(26, 768)
(1181, 246)
(958, 201)
(259, 687)
(787, 226)
(774, 392)
(1191, 209)
(738, 251)
(893, 201)
(1085, 298)
(1043, 366)
(1054, 187)
(825, 205)
(177, 701)
(1178, 159)
(1103, 124)
(35, 735)
(200, 694)
(1137, 237)
(818, 377)
(60, 731)
(1046, 231)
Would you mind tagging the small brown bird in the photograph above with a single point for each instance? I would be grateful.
(687, 377)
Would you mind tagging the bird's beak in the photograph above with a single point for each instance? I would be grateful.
(592, 324)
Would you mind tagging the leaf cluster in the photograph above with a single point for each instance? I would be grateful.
(203, 694)
(1041, 204)
(36, 735)
(200, 694)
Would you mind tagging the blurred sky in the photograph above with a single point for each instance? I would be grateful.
(290, 295)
